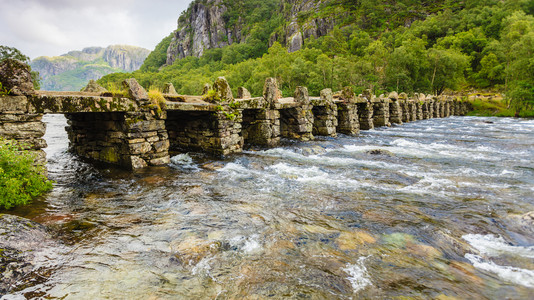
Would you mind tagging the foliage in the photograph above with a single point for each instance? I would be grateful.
(448, 45)
(11, 52)
(21, 179)
(158, 57)
(3, 90)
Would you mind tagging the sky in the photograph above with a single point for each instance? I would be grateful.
(55, 27)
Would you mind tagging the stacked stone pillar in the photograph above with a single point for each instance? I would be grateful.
(395, 109)
(419, 102)
(262, 126)
(365, 113)
(325, 115)
(437, 107)
(348, 122)
(297, 122)
(381, 112)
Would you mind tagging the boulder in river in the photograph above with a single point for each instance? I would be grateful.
(20, 241)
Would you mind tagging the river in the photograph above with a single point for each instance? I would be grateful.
(429, 209)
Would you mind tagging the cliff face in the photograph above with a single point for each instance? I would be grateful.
(202, 28)
(296, 32)
(205, 26)
(72, 71)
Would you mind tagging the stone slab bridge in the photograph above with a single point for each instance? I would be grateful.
(134, 132)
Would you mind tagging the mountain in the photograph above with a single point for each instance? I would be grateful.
(428, 46)
(211, 24)
(72, 71)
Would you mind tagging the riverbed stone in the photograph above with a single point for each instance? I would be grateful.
(20, 241)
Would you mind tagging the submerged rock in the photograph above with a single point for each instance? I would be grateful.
(20, 239)
(380, 152)
(354, 239)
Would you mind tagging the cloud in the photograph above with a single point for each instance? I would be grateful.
(54, 27)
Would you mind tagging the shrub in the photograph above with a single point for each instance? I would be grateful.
(21, 179)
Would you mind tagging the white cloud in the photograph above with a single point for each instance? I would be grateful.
(54, 27)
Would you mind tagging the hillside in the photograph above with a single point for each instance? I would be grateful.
(72, 71)
(383, 45)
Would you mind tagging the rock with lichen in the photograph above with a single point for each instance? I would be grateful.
(16, 77)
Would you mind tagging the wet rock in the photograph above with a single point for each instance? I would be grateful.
(93, 87)
(191, 250)
(313, 150)
(16, 77)
(223, 90)
(134, 89)
(169, 89)
(20, 239)
(354, 239)
(528, 218)
(213, 166)
(380, 152)
(243, 93)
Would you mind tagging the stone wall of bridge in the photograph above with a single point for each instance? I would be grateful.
(133, 132)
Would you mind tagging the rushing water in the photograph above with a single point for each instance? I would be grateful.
(439, 211)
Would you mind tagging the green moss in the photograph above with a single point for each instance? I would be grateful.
(110, 155)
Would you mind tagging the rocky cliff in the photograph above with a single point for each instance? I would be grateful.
(72, 71)
(301, 23)
(208, 24)
(200, 28)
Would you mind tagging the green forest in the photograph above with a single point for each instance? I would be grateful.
(449, 46)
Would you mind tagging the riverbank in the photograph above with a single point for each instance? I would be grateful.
(493, 105)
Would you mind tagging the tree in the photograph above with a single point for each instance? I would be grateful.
(447, 67)
(518, 39)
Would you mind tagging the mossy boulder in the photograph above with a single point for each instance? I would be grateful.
(223, 90)
(16, 77)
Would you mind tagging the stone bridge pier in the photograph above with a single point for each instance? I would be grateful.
(134, 132)
(347, 113)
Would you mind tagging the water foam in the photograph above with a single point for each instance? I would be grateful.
(512, 274)
(492, 246)
(184, 161)
(358, 276)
